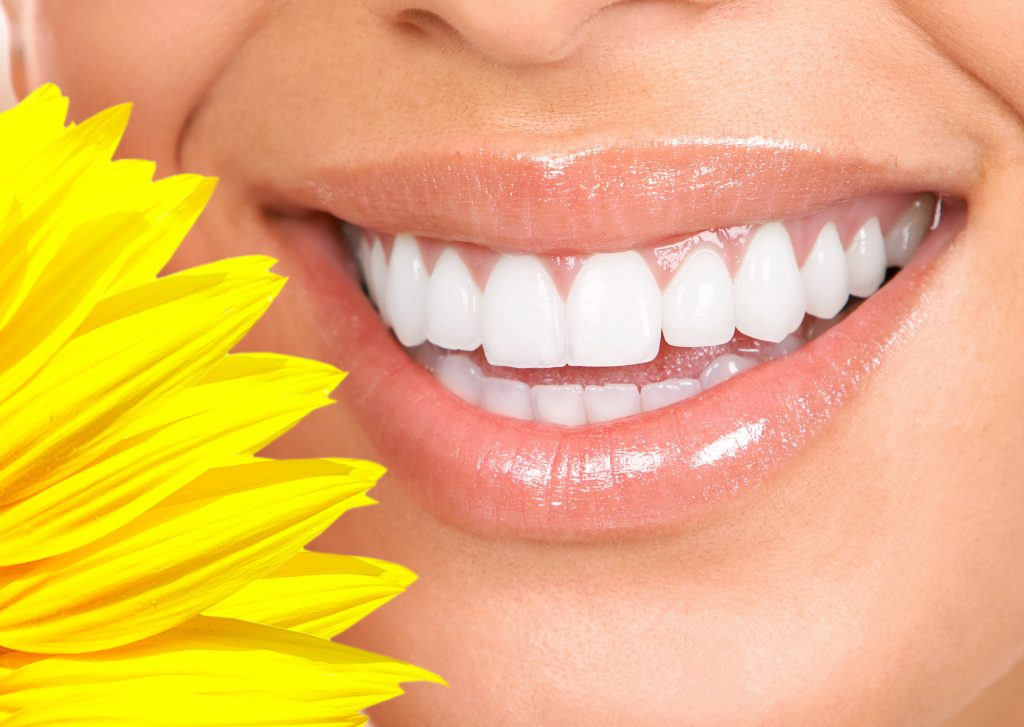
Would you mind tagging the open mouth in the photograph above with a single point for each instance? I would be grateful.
(572, 340)
(529, 379)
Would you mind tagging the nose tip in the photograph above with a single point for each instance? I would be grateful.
(512, 32)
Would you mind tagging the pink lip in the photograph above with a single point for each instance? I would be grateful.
(503, 477)
(609, 198)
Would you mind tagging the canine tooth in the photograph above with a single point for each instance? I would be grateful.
(698, 309)
(865, 259)
(506, 397)
(461, 377)
(613, 314)
(523, 315)
(405, 298)
(824, 274)
(905, 235)
(667, 392)
(724, 368)
(612, 401)
(453, 304)
(377, 275)
(559, 404)
(768, 291)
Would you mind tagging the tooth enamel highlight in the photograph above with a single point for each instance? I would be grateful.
(613, 314)
(559, 404)
(461, 377)
(454, 304)
(612, 401)
(908, 231)
(506, 397)
(824, 274)
(768, 291)
(866, 259)
(523, 315)
(698, 305)
(405, 297)
(668, 392)
(724, 368)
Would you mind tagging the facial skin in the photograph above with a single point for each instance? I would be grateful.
(882, 582)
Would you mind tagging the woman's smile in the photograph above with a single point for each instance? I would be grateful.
(687, 330)
(588, 381)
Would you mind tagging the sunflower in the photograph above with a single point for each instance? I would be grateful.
(152, 565)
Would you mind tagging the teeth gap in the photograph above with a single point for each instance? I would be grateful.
(622, 337)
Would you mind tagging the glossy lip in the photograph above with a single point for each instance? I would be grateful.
(606, 198)
(507, 478)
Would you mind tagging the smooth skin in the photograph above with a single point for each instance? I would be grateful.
(882, 582)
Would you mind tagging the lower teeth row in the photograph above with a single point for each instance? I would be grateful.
(576, 404)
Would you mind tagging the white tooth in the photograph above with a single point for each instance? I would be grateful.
(907, 232)
(667, 392)
(559, 404)
(523, 315)
(826, 280)
(768, 291)
(453, 304)
(723, 368)
(865, 259)
(787, 345)
(405, 298)
(461, 377)
(613, 314)
(506, 397)
(698, 309)
(612, 401)
(377, 275)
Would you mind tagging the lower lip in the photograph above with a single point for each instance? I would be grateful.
(662, 470)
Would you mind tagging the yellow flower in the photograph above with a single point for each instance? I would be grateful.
(152, 569)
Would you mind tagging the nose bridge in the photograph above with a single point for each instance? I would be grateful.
(513, 32)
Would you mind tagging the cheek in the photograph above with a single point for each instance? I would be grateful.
(163, 57)
(983, 37)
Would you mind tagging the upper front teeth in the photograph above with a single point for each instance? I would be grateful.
(615, 312)
(698, 308)
(405, 296)
(768, 291)
(826, 278)
(613, 315)
(523, 317)
(454, 304)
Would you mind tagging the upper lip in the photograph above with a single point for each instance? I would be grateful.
(593, 199)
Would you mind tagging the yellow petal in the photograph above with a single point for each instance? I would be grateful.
(249, 401)
(154, 705)
(35, 122)
(152, 340)
(132, 499)
(225, 529)
(42, 185)
(317, 593)
(39, 322)
(179, 201)
(232, 660)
